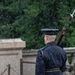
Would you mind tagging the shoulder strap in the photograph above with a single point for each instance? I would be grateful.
(43, 57)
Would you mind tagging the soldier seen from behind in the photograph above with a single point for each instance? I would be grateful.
(51, 59)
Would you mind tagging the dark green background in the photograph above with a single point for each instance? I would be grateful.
(24, 19)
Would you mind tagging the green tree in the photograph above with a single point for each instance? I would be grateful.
(25, 18)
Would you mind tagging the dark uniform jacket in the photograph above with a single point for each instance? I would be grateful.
(55, 57)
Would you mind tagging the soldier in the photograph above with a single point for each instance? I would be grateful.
(51, 59)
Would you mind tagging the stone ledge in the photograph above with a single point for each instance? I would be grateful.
(33, 52)
(12, 43)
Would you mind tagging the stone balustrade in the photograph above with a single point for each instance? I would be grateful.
(30, 56)
(70, 61)
(10, 55)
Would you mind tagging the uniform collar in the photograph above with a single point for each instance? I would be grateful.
(51, 43)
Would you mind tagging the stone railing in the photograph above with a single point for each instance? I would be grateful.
(10, 55)
(29, 58)
(70, 63)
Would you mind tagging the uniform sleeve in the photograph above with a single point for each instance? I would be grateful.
(40, 67)
(63, 68)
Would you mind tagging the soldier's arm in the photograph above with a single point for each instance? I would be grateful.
(63, 68)
(40, 67)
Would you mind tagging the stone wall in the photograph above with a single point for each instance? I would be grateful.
(10, 54)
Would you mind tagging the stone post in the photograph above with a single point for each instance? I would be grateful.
(73, 60)
(10, 54)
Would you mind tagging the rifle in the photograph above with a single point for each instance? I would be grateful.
(64, 30)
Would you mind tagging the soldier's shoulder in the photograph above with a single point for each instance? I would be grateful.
(43, 48)
(61, 49)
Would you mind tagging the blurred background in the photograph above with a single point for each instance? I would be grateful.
(25, 18)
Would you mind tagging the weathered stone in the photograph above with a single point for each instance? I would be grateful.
(11, 53)
(67, 73)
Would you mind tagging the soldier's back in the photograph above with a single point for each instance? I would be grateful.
(54, 57)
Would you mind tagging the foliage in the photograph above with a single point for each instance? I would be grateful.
(24, 19)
